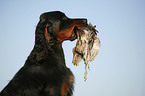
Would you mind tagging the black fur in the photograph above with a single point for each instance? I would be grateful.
(44, 72)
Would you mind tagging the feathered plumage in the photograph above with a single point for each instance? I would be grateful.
(87, 46)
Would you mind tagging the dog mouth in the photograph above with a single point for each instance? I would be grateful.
(74, 33)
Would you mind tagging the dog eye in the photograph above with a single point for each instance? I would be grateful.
(64, 18)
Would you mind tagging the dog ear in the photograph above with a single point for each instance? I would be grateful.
(42, 33)
(46, 33)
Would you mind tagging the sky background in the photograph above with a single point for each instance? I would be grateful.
(119, 68)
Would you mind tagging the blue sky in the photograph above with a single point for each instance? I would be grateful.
(119, 68)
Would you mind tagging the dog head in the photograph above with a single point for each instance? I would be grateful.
(58, 26)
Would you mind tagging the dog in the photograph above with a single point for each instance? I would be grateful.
(44, 72)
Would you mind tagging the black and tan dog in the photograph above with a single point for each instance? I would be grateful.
(44, 72)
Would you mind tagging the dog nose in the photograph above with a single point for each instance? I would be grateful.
(83, 20)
